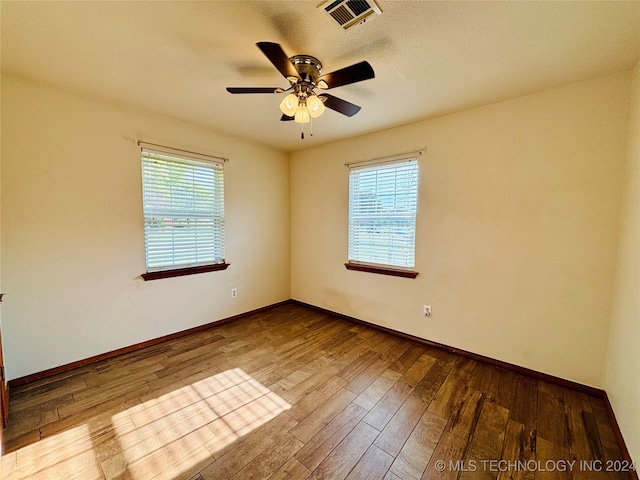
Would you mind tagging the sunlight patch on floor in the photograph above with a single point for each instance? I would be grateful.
(191, 426)
(169, 436)
(67, 454)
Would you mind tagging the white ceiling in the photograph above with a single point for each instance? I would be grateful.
(430, 58)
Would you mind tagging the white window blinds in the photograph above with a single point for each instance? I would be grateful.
(183, 202)
(382, 213)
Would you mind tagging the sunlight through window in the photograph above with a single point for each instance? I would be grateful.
(190, 425)
(161, 436)
(59, 455)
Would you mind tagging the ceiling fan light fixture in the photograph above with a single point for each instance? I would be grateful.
(302, 114)
(315, 106)
(289, 105)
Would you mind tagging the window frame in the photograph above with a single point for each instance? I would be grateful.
(216, 213)
(375, 267)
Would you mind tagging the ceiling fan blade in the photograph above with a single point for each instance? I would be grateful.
(355, 73)
(339, 105)
(285, 118)
(274, 52)
(254, 90)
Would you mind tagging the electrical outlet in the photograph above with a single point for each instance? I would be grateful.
(234, 292)
(426, 311)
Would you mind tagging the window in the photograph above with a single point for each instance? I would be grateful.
(183, 203)
(382, 217)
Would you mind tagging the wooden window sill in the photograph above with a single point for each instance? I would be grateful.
(396, 272)
(179, 272)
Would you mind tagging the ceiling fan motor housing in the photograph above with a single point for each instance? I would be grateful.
(308, 67)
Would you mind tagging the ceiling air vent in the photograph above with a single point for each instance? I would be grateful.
(349, 13)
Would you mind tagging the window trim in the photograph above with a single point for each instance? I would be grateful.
(186, 156)
(384, 269)
(179, 272)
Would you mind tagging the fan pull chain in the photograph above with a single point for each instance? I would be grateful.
(302, 131)
(311, 126)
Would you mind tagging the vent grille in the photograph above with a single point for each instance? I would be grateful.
(358, 6)
(341, 15)
(349, 13)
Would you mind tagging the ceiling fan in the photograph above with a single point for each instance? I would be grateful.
(304, 74)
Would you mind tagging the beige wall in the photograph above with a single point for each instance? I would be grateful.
(516, 235)
(623, 366)
(72, 236)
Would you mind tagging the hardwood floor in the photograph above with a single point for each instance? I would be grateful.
(291, 393)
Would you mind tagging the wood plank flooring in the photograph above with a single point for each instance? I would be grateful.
(291, 393)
